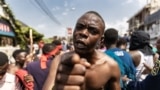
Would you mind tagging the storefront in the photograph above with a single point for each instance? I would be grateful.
(7, 34)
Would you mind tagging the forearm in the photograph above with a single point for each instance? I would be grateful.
(50, 81)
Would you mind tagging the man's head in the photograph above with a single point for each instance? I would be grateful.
(48, 47)
(88, 31)
(20, 56)
(122, 43)
(110, 37)
(52, 48)
(56, 42)
(3, 64)
(139, 39)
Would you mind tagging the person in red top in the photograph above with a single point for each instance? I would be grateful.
(23, 76)
(41, 44)
(39, 69)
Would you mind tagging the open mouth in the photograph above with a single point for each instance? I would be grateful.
(80, 45)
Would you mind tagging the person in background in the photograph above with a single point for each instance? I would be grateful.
(55, 38)
(151, 82)
(35, 48)
(40, 68)
(122, 43)
(40, 45)
(141, 53)
(20, 58)
(158, 47)
(110, 39)
(8, 77)
(64, 44)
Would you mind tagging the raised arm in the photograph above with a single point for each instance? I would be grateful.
(68, 70)
(50, 81)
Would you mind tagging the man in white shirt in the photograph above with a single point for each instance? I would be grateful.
(8, 80)
(141, 53)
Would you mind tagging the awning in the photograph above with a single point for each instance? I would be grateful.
(6, 29)
(152, 18)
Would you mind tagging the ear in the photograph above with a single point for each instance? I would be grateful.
(98, 42)
(16, 59)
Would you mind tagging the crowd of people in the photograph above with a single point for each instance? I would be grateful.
(96, 59)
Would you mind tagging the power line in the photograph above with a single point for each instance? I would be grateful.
(47, 12)
(45, 9)
(35, 5)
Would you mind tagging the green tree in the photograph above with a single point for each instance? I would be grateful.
(21, 30)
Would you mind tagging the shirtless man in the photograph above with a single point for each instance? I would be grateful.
(85, 68)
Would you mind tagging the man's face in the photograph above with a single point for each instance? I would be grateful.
(3, 70)
(21, 57)
(87, 33)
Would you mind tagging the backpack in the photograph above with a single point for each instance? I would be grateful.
(20, 79)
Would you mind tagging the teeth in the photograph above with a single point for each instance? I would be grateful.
(80, 45)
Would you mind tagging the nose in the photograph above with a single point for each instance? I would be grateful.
(84, 33)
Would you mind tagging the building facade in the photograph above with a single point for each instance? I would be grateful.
(147, 19)
(7, 34)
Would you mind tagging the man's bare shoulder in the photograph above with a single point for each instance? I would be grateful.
(135, 54)
(110, 61)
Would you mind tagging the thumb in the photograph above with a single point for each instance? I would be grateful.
(84, 62)
(77, 60)
(125, 76)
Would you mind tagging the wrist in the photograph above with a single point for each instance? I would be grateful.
(128, 81)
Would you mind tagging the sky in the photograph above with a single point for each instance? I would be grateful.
(114, 12)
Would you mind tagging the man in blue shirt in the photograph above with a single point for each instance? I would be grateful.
(110, 40)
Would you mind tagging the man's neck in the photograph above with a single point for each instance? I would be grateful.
(91, 56)
(19, 66)
(111, 46)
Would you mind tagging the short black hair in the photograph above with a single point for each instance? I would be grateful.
(18, 51)
(110, 36)
(121, 41)
(95, 13)
(3, 59)
(56, 42)
(48, 47)
(139, 39)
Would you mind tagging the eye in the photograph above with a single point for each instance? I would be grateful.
(93, 30)
(80, 27)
